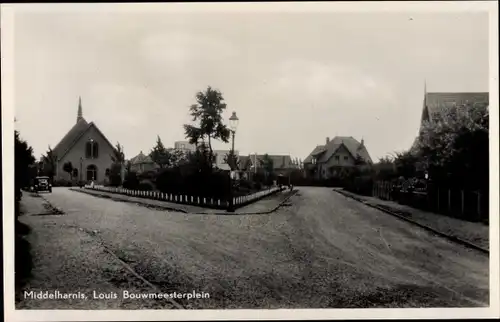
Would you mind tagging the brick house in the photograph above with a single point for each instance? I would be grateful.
(328, 160)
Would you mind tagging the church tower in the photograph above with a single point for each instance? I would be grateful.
(80, 113)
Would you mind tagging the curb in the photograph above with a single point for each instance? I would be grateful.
(449, 237)
(145, 204)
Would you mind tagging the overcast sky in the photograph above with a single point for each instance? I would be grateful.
(293, 78)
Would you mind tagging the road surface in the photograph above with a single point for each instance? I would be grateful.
(322, 251)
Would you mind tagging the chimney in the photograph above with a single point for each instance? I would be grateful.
(327, 140)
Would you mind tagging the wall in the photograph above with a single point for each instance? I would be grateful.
(184, 146)
(102, 162)
(220, 155)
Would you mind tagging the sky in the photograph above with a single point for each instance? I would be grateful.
(293, 78)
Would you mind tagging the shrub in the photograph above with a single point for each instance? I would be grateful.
(203, 184)
(145, 186)
(131, 181)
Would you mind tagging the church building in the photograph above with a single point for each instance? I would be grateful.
(88, 150)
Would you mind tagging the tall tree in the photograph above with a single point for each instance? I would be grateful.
(160, 155)
(207, 112)
(117, 173)
(49, 160)
(455, 146)
(267, 165)
(24, 158)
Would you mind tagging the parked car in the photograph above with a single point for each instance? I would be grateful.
(42, 184)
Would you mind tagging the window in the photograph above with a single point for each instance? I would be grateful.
(91, 172)
(75, 173)
(337, 158)
(92, 149)
(346, 158)
(107, 173)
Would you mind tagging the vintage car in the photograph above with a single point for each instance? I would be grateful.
(42, 184)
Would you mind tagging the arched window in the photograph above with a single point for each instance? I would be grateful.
(91, 149)
(75, 173)
(91, 173)
(107, 172)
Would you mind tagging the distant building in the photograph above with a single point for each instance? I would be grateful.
(184, 146)
(282, 164)
(142, 163)
(220, 159)
(328, 160)
(88, 150)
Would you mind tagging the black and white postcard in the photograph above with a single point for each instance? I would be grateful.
(176, 161)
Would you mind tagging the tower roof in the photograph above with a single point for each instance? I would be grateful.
(79, 115)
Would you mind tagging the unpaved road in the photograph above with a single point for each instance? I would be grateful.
(323, 251)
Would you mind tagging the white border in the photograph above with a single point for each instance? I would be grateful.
(7, 25)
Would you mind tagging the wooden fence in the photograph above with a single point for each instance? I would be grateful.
(216, 203)
(460, 203)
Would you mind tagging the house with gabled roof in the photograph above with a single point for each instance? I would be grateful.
(282, 164)
(328, 160)
(142, 163)
(88, 150)
(437, 104)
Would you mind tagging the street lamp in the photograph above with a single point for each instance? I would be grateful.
(233, 124)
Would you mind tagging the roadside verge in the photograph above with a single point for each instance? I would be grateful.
(264, 206)
(469, 234)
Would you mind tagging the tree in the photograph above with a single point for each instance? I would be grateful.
(385, 169)
(267, 165)
(117, 171)
(49, 163)
(454, 147)
(232, 160)
(68, 167)
(161, 156)
(207, 112)
(24, 158)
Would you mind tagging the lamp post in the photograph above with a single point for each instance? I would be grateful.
(233, 124)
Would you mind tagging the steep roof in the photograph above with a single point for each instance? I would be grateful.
(76, 132)
(141, 158)
(70, 138)
(325, 152)
(436, 102)
(279, 161)
(317, 150)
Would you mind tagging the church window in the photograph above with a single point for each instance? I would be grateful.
(92, 149)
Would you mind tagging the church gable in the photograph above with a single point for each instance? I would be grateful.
(87, 149)
(92, 144)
